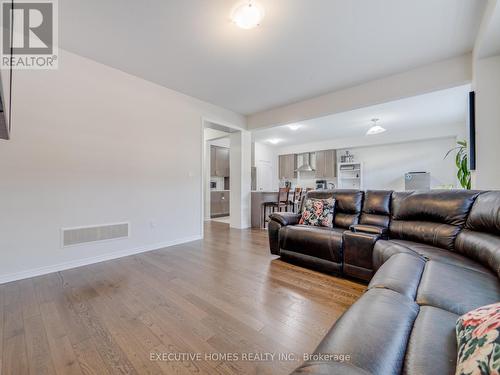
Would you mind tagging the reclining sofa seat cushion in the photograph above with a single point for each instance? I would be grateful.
(383, 250)
(432, 217)
(401, 273)
(449, 287)
(373, 332)
(442, 291)
(432, 348)
(375, 216)
(456, 289)
(480, 239)
(321, 242)
(427, 223)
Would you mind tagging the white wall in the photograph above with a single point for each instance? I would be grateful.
(411, 150)
(384, 166)
(240, 163)
(265, 157)
(487, 88)
(221, 142)
(213, 133)
(410, 135)
(93, 145)
(428, 78)
(486, 84)
(206, 183)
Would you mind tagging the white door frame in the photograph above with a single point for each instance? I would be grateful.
(204, 122)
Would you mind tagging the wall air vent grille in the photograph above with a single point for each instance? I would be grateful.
(82, 235)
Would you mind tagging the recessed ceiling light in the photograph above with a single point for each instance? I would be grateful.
(375, 129)
(294, 126)
(248, 14)
(274, 141)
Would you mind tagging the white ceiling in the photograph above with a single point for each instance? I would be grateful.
(303, 48)
(422, 113)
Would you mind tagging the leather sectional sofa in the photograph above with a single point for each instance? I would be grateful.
(431, 256)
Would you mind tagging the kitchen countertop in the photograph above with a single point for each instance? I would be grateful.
(258, 198)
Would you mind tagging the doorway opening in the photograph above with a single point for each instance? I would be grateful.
(217, 175)
(226, 174)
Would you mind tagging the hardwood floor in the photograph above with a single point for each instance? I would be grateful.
(225, 294)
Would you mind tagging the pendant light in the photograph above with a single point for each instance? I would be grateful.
(375, 129)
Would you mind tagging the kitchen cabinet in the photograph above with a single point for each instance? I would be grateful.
(326, 164)
(219, 203)
(287, 166)
(219, 161)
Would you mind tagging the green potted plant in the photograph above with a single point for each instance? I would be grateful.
(461, 161)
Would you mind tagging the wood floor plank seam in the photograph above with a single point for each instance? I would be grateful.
(225, 293)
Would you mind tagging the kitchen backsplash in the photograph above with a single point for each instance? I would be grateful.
(308, 182)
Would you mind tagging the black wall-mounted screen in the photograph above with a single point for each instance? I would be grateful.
(472, 130)
(6, 93)
(4, 126)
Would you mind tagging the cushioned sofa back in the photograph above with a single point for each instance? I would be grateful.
(376, 208)
(347, 205)
(480, 239)
(433, 217)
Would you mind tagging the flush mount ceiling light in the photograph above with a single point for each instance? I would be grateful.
(247, 15)
(294, 126)
(274, 141)
(375, 129)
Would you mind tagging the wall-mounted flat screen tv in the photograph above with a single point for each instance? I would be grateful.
(472, 130)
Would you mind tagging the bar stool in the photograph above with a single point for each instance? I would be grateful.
(297, 197)
(281, 203)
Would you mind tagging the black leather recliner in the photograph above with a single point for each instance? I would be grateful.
(317, 247)
(439, 259)
(360, 220)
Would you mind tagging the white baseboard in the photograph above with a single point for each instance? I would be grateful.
(86, 261)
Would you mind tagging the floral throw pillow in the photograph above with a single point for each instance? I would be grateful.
(318, 212)
(478, 337)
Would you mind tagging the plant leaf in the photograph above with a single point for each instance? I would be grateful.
(450, 151)
(461, 162)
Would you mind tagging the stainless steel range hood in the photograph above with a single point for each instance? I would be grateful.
(306, 163)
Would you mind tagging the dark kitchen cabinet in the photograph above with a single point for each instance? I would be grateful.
(219, 161)
(219, 203)
(326, 164)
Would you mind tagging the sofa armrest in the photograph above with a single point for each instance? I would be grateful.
(273, 229)
(285, 218)
(276, 222)
(357, 256)
(372, 229)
